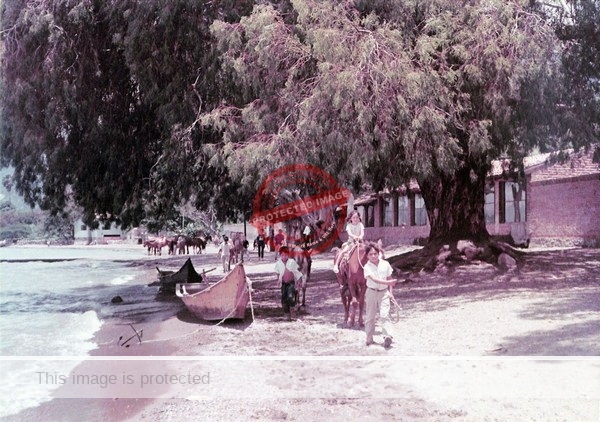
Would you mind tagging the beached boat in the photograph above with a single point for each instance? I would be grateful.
(226, 299)
(167, 280)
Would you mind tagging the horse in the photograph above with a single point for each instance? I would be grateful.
(156, 244)
(172, 245)
(344, 290)
(197, 243)
(181, 244)
(304, 260)
(160, 243)
(149, 244)
(237, 247)
(353, 285)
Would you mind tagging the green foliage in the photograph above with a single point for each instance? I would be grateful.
(380, 94)
(131, 109)
(58, 228)
(7, 182)
(17, 224)
(591, 243)
(15, 232)
(75, 118)
(6, 206)
(579, 28)
(99, 101)
(424, 94)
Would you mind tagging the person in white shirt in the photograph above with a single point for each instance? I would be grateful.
(224, 250)
(378, 274)
(288, 275)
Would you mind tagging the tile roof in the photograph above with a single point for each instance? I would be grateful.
(543, 167)
(531, 161)
(578, 165)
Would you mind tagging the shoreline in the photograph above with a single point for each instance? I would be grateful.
(441, 366)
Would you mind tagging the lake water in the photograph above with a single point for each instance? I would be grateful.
(52, 302)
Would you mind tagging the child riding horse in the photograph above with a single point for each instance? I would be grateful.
(356, 233)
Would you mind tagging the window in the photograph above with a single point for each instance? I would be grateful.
(489, 207)
(420, 211)
(410, 210)
(403, 211)
(388, 212)
(512, 202)
(367, 215)
(83, 227)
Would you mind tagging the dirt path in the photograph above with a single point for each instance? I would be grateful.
(465, 349)
(471, 345)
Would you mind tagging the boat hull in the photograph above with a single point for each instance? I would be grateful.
(226, 299)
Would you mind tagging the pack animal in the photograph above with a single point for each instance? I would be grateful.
(155, 245)
(197, 244)
(352, 283)
(181, 245)
(237, 248)
(304, 260)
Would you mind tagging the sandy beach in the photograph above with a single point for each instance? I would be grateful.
(472, 344)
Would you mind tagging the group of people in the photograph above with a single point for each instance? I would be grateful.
(377, 272)
(259, 244)
(225, 251)
(275, 243)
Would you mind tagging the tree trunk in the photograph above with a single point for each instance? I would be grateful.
(456, 212)
(456, 207)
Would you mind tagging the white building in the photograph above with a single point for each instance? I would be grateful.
(84, 234)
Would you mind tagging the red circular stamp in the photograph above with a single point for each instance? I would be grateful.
(308, 200)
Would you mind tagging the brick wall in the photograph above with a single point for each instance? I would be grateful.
(564, 213)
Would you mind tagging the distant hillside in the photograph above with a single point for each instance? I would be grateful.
(18, 221)
(13, 196)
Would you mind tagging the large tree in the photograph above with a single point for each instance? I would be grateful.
(131, 108)
(72, 119)
(381, 92)
(98, 102)
(577, 25)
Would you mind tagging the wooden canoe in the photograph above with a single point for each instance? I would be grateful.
(226, 299)
(169, 279)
